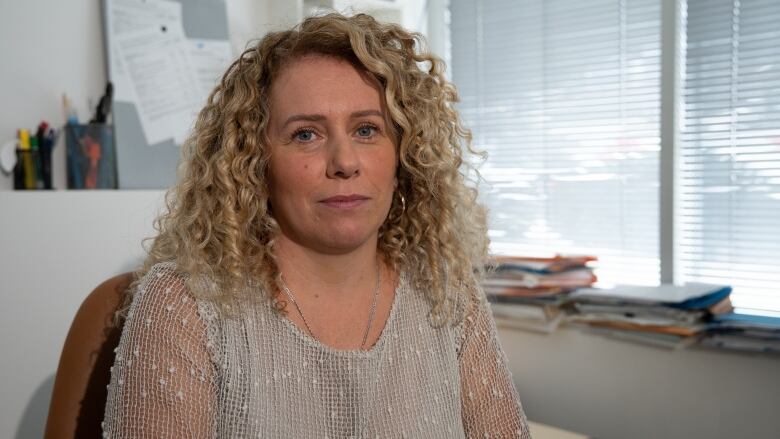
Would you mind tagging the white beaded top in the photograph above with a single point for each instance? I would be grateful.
(181, 371)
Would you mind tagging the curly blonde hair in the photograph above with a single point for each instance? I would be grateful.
(218, 224)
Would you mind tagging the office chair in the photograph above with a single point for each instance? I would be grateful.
(79, 396)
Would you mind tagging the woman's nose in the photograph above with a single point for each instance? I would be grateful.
(343, 161)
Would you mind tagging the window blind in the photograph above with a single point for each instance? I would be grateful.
(564, 96)
(730, 156)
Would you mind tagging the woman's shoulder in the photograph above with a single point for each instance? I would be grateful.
(164, 268)
(163, 293)
(469, 307)
(162, 279)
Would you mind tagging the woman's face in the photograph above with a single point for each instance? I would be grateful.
(333, 159)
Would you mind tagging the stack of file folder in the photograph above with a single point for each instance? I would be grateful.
(667, 315)
(528, 293)
(540, 294)
(744, 332)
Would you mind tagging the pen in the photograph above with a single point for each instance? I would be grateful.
(71, 117)
(51, 141)
(46, 136)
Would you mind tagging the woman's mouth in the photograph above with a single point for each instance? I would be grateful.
(345, 201)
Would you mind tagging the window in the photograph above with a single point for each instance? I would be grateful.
(730, 155)
(565, 97)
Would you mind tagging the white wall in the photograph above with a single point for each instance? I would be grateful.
(55, 247)
(613, 389)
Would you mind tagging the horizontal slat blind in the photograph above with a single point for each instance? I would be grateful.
(730, 159)
(564, 95)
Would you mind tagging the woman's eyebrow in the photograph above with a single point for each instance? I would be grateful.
(304, 117)
(364, 113)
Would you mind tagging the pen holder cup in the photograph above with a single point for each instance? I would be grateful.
(91, 156)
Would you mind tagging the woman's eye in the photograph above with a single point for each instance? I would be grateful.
(366, 131)
(304, 135)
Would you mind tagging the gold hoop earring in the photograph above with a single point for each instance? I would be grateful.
(402, 200)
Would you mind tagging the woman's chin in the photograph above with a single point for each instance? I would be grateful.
(343, 241)
(335, 237)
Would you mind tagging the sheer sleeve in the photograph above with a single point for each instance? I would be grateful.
(490, 405)
(163, 379)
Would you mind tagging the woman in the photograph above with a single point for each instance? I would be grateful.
(314, 275)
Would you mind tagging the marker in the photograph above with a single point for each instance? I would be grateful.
(27, 162)
(103, 108)
(28, 171)
(46, 146)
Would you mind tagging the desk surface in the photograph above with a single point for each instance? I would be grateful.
(541, 431)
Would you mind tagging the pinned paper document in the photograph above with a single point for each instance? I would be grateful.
(156, 67)
(163, 79)
(210, 58)
(126, 16)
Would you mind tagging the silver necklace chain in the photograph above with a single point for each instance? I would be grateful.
(371, 315)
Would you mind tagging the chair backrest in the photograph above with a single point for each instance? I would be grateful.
(79, 396)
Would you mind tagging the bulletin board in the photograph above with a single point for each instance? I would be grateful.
(164, 57)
